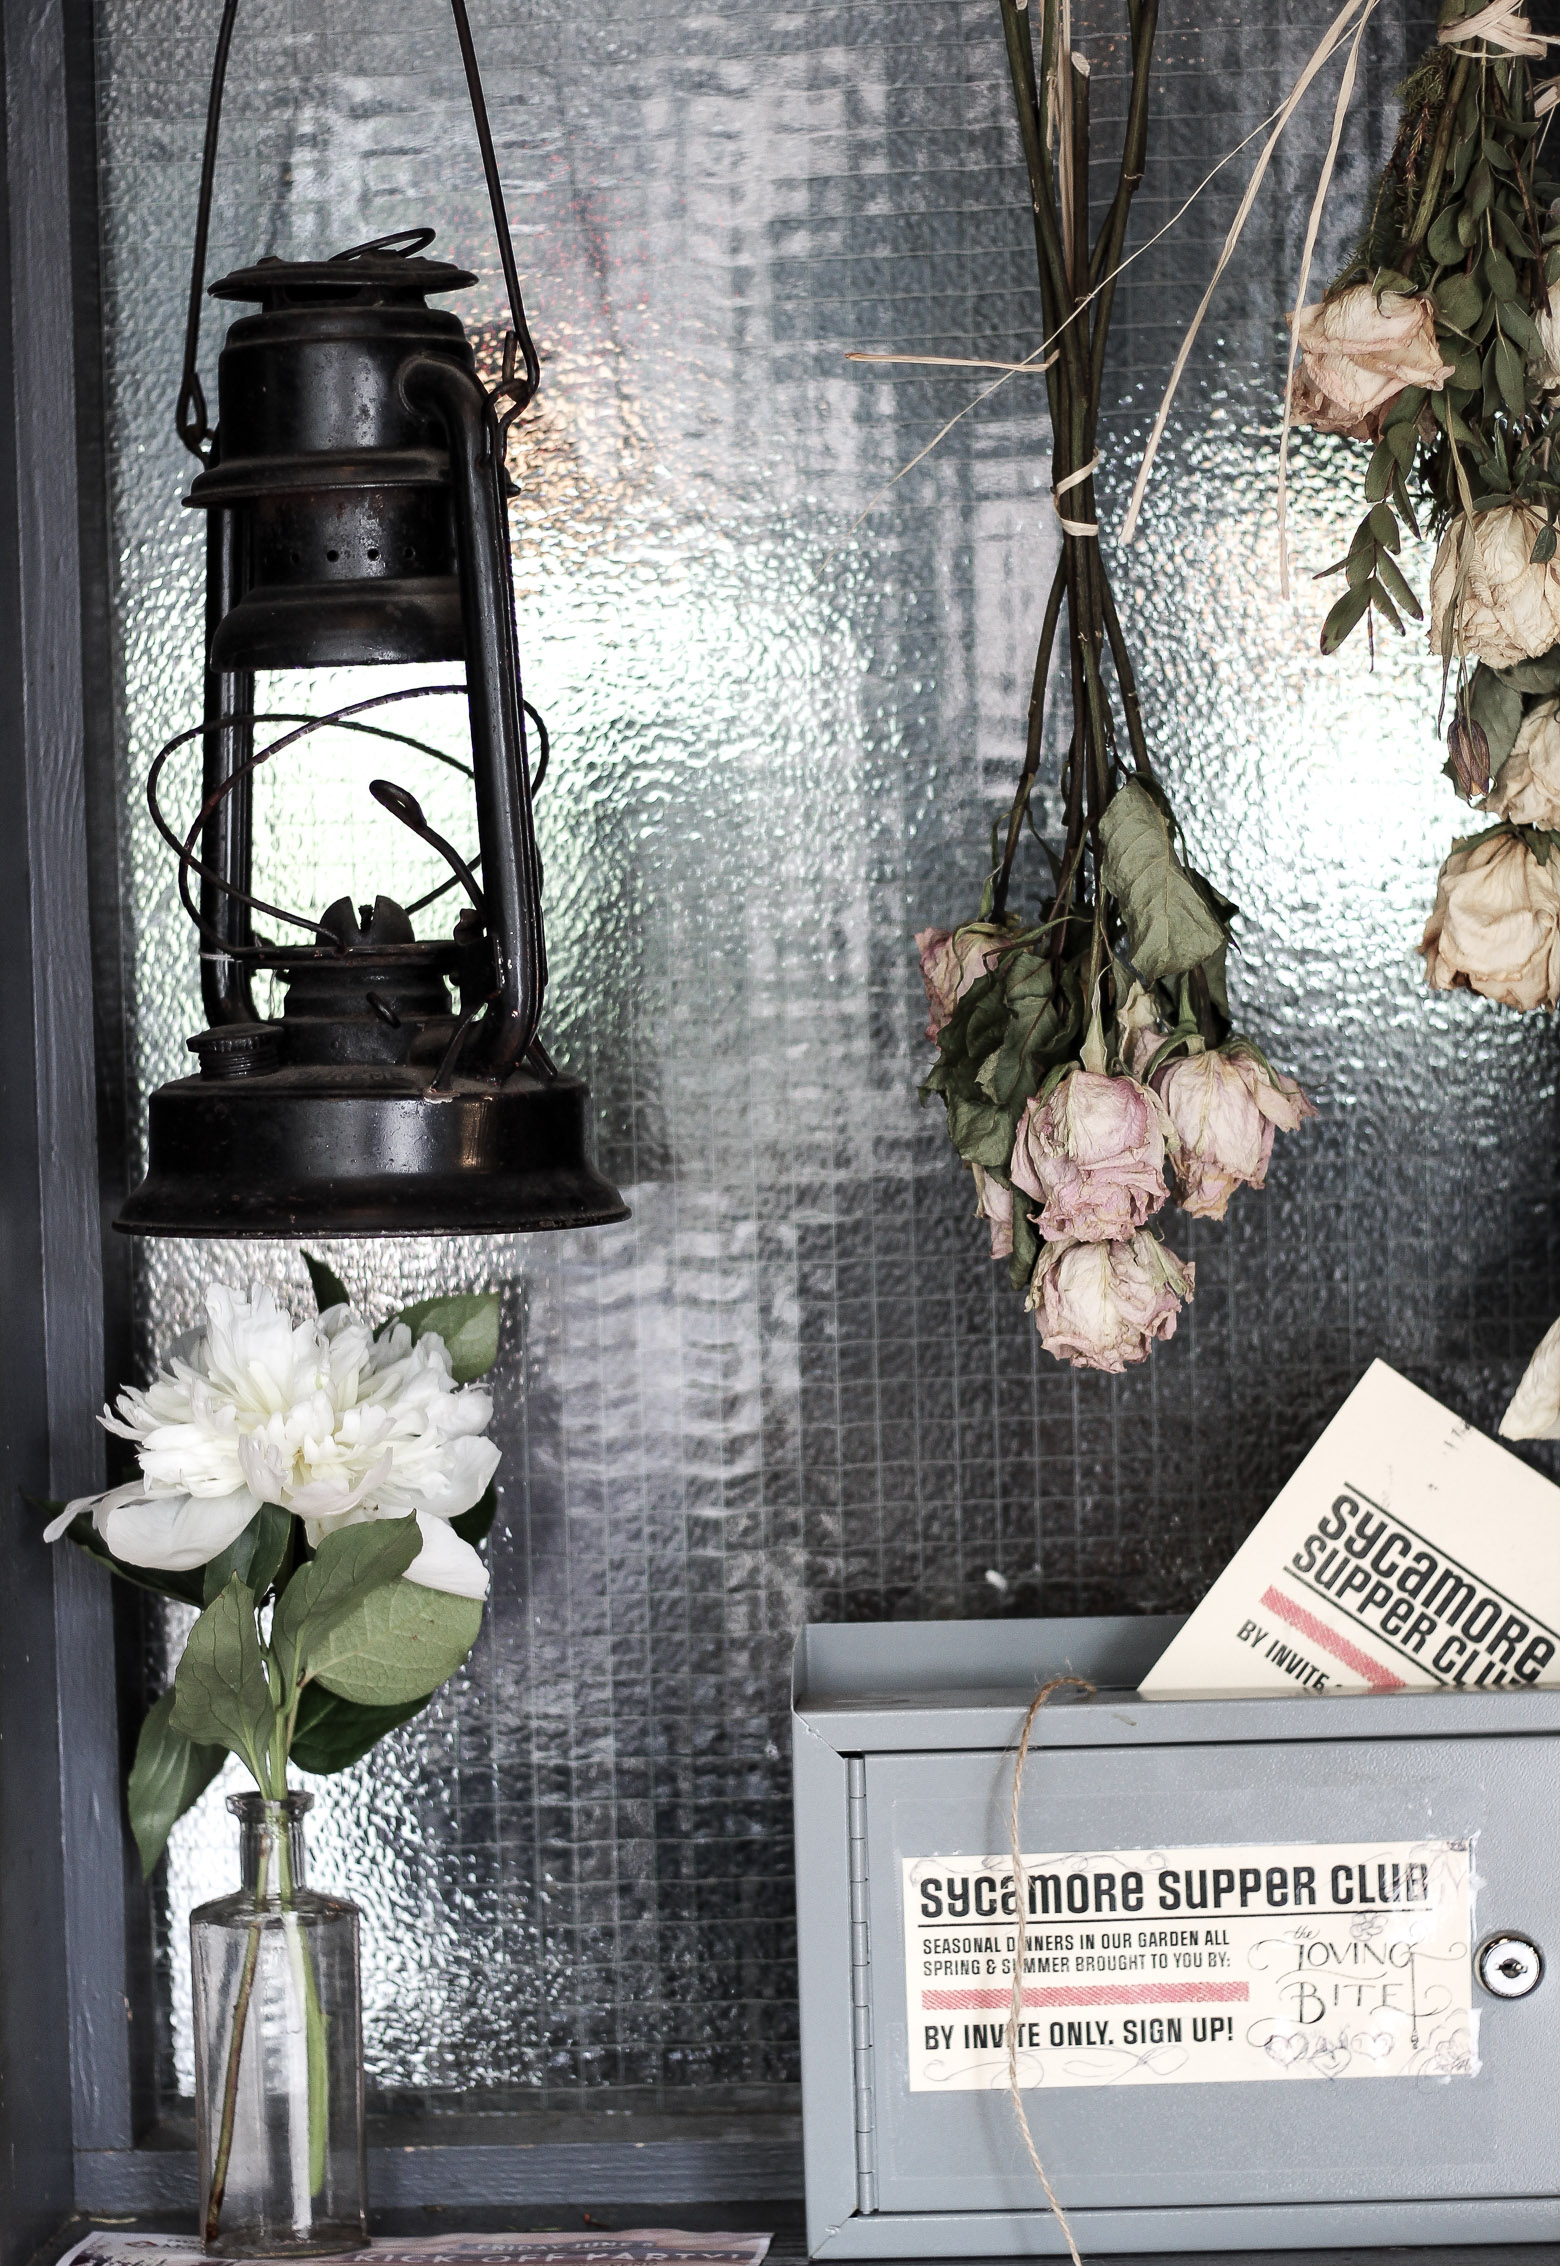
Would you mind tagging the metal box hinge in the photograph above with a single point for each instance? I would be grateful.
(861, 1987)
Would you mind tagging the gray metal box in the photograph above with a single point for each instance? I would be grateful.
(903, 1742)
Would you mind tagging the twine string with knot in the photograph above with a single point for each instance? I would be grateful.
(1020, 1945)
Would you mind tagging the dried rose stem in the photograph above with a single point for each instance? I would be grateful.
(1067, 269)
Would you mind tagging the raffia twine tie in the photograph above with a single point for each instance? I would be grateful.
(1076, 480)
(1021, 1943)
(1501, 25)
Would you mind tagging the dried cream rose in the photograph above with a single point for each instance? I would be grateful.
(1226, 1108)
(1495, 926)
(1093, 1154)
(1357, 353)
(952, 960)
(1101, 1305)
(1527, 790)
(994, 1205)
(1510, 609)
(1534, 1413)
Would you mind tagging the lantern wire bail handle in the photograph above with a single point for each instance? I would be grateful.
(191, 418)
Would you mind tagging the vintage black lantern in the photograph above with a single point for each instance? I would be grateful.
(355, 495)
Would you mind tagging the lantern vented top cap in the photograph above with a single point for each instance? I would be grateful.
(366, 274)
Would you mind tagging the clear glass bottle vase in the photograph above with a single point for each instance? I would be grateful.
(278, 2052)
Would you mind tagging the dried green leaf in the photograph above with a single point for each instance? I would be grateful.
(1495, 705)
(1458, 301)
(1349, 610)
(1443, 243)
(1169, 927)
(1499, 273)
(1390, 575)
(1509, 376)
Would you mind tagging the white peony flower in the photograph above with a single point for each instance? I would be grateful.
(321, 1417)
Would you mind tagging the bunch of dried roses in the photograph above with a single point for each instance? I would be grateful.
(1439, 346)
(1086, 1058)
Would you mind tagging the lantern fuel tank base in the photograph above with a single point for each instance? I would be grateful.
(349, 1150)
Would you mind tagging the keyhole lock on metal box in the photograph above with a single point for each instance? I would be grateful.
(1282, 1958)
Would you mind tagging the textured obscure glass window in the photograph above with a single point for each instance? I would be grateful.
(793, 1385)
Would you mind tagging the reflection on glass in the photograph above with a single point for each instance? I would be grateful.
(791, 1384)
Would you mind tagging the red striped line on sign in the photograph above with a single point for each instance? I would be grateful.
(1088, 1994)
(1379, 1677)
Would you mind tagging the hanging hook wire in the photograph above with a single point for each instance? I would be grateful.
(191, 417)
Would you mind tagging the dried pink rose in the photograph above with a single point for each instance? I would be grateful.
(1093, 1154)
(1226, 1108)
(952, 960)
(994, 1205)
(1101, 1305)
(1358, 352)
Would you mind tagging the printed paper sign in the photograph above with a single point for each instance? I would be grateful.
(1193, 1966)
(1407, 1552)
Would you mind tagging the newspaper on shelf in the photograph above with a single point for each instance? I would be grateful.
(592, 2246)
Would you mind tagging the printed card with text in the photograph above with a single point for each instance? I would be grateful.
(1407, 1552)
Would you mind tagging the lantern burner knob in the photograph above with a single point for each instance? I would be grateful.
(237, 1050)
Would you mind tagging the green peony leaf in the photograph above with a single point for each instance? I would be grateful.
(468, 1324)
(398, 1643)
(476, 1525)
(187, 1587)
(1169, 928)
(272, 1543)
(331, 1734)
(255, 1555)
(348, 1565)
(169, 1775)
(222, 1696)
(329, 1289)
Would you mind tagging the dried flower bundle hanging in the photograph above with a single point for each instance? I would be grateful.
(1085, 1054)
(1439, 347)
